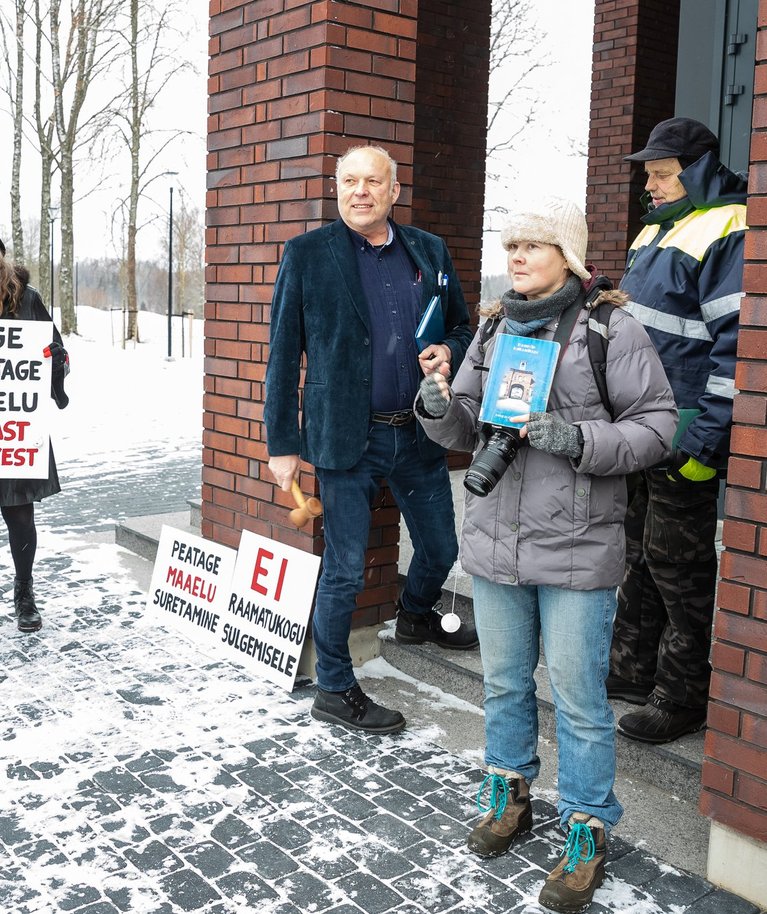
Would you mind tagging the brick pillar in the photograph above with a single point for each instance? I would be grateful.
(293, 84)
(449, 166)
(634, 74)
(735, 768)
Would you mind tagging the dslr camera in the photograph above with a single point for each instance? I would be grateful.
(493, 460)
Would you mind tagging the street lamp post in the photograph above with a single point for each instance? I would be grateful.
(170, 273)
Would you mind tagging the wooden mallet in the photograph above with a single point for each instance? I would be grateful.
(306, 509)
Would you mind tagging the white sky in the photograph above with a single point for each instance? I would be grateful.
(542, 163)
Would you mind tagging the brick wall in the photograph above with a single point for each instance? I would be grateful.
(735, 763)
(293, 84)
(634, 72)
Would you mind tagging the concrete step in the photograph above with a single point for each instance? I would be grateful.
(142, 534)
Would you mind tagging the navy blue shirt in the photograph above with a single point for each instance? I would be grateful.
(392, 287)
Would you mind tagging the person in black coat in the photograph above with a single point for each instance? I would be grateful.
(20, 301)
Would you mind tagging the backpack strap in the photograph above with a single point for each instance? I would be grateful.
(597, 339)
(487, 331)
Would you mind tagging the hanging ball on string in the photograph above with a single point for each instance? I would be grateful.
(451, 622)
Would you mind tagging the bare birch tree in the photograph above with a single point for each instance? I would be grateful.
(44, 128)
(76, 63)
(514, 58)
(13, 41)
(152, 65)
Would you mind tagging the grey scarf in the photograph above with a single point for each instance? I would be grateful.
(525, 316)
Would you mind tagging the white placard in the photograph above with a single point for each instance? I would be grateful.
(265, 623)
(190, 586)
(25, 399)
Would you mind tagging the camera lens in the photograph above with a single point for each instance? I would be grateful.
(492, 461)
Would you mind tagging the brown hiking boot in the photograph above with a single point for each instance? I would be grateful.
(573, 881)
(509, 813)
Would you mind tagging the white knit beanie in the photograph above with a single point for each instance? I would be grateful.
(555, 221)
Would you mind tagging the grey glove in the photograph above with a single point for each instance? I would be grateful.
(434, 403)
(555, 436)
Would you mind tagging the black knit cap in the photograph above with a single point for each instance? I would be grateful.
(676, 138)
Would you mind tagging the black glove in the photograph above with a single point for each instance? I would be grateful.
(549, 433)
(59, 369)
(683, 467)
(434, 402)
(58, 355)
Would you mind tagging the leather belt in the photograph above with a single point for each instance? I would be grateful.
(403, 417)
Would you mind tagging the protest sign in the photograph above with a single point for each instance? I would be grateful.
(271, 597)
(191, 585)
(251, 606)
(25, 399)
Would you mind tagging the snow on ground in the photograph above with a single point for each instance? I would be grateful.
(121, 398)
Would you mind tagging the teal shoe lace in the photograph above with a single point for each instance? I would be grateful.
(579, 839)
(499, 795)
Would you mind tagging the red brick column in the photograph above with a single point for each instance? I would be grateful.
(634, 73)
(735, 763)
(293, 84)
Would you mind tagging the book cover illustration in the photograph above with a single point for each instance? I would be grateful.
(520, 379)
(431, 328)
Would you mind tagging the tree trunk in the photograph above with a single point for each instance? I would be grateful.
(17, 230)
(135, 151)
(45, 265)
(66, 267)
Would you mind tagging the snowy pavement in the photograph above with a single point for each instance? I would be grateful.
(139, 775)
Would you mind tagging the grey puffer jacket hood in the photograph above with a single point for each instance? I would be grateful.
(552, 520)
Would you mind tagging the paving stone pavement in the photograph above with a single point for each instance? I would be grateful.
(138, 775)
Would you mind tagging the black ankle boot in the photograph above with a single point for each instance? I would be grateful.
(24, 602)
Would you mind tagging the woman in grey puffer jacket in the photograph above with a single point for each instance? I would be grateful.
(546, 545)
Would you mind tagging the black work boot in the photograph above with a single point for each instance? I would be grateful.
(353, 709)
(509, 813)
(27, 616)
(416, 628)
(661, 721)
(571, 884)
(635, 693)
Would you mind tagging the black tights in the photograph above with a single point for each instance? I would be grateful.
(22, 535)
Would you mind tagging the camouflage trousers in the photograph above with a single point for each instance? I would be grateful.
(662, 631)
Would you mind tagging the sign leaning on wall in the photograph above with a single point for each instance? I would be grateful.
(25, 399)
(250, 606)
(268, 612)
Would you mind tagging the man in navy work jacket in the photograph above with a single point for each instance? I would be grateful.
(349, 297)
(684, 276)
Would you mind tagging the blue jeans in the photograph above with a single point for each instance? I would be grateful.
(576, 627)
(422, 491)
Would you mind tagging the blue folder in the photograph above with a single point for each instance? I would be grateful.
(431, 328)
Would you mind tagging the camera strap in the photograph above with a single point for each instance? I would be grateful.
(565, 326)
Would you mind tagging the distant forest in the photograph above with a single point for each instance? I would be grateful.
(100, 283)
(493, 287)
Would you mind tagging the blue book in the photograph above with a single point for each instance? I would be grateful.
(520, 378)
(431, 328)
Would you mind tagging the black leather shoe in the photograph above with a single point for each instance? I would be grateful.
(661, 721)
(27, 616)
(353, 709)
(635, 693)
(417, 628)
